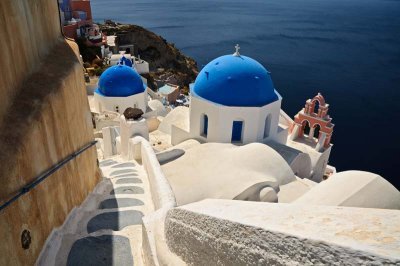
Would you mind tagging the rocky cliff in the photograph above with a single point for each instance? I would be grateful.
(167, 63)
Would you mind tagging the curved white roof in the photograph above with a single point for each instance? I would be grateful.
(179, 117)
(354, 189)
(226, 171)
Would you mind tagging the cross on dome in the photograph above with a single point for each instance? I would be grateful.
(237, 47)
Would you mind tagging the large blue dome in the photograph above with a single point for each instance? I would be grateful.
(120, 81)
(235, 81)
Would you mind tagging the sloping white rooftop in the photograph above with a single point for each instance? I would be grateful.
(179, 117)
(354, 189)
(226, 171)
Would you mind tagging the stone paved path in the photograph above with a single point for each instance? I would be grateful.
(106, 229)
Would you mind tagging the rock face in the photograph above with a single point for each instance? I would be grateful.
(166, 61)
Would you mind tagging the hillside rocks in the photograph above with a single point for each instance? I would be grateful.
(167, 63)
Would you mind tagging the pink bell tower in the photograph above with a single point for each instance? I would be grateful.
(314, 116)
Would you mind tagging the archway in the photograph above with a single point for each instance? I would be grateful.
(305, 127)
(316, 106)
(317, 128)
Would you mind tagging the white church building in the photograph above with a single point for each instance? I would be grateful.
(234, 100)
(120, 87)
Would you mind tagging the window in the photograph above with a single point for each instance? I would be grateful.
(305, 126)
(267, 126)
(204, 130)
(317, 127)
(237, 130)
(316, 107)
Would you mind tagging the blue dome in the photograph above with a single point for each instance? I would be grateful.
(120, 81)
(235, 81)
(125, 61)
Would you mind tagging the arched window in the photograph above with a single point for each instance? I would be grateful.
(237, 131)
(267, 126)
(305, 126)
(317, 127)
(316, 106)
(204, 125)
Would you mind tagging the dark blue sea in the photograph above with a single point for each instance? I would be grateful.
(349, 50)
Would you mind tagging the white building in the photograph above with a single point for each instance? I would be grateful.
(141, 66)
(234, 100)
(120, 87)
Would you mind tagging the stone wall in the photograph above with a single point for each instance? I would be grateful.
(45, 117)
(223, 232)
(28, 28)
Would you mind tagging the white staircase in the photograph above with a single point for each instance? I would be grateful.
(107, 228)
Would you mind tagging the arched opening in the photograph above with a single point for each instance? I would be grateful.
(204, 125)
(316, 106)
(317, 128)
(305, 126)
(267, 126)
(237, 131)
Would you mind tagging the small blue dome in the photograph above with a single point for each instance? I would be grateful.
(235, 81)
(120, 81)
(125, 61)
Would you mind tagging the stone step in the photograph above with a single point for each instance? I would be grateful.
(114, 220)
(108, 187)
(101, 250)
(127, 189)
(115, 173)
(98, 248)
(107, 228)
(114, 203)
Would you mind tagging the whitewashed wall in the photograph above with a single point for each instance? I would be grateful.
(220, 120)
(102, 103)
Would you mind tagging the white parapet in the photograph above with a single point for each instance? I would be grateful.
(110, 135)
(129, 129)
(226, 232)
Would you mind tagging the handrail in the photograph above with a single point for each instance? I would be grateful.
(46, 174)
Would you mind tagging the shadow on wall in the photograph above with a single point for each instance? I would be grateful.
(27, 107)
